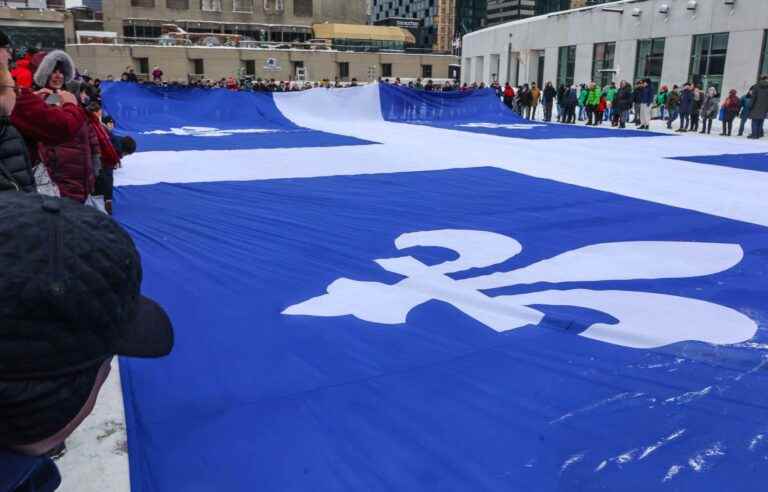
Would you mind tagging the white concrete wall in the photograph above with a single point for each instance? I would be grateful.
(583, 70)
(741, 59)
(550, 65)
(746, 21)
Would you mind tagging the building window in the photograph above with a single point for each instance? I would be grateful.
(566, 65)
(708, 60)
(274, 5)
(298, 70)
(343, 70)
(150, 4)
(426, 71)
(242, 5)
(249, 67)
(602, 63)
(650, 58)
(302, 8)
(210, 5)
(764, 63)
(177, 4)
(386, 69)
(142, 65)
(198, 67)
(131, 30)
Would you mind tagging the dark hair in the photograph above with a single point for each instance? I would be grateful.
(5, 41)
(127, 146)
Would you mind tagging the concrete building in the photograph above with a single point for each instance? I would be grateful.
(35, 27)
(437, 18)
(182, 63)
(711, 42)
(267, 20)
(508, 10)
(440, 22)
(280, 39)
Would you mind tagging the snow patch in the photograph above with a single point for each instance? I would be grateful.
(755, 441)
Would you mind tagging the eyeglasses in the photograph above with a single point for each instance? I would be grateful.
(16, 90)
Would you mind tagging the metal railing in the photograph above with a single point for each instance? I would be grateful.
(215, 42)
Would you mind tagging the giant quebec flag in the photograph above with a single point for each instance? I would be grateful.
(376, 289)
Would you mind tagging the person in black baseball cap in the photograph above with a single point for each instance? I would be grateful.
(69, 302)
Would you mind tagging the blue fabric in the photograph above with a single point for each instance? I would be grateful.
(464, 110)
(254, 398)
(140, 109)
(20, 473)
(752, 162)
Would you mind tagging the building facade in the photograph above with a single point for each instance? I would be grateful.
(266, 20)
(180, 64)
(436, 19)
(508, 10)
(470, 16)
(35, 28)
(500, 11)
(718, 43)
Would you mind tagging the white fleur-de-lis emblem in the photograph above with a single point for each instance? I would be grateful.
(204, 131)
(645, 319)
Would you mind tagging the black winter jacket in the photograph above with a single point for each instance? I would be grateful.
(15, 167)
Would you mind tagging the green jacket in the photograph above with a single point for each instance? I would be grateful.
(661, 99)
(582, 97)
(673, 100)
(610, 93)
(593, 96)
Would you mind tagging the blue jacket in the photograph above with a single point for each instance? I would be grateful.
(27, 473)
(646, 95)
(686, 101)
(746, 106)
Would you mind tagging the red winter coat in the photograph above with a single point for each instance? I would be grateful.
(70, 164)
(602, 105)
(22, 74)
(40, 123)
(509, 92)
(110, 159)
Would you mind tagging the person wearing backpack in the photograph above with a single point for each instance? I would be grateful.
(731, 105)
(744, 109)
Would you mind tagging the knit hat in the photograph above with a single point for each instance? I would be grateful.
(53, 60)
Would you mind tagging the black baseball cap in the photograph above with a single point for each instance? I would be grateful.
(70, 290)
(69, 300)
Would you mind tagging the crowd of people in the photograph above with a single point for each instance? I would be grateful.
(70, 290)
(689, 107)
(71, 149)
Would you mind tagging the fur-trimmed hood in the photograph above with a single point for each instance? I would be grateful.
(48, 65)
